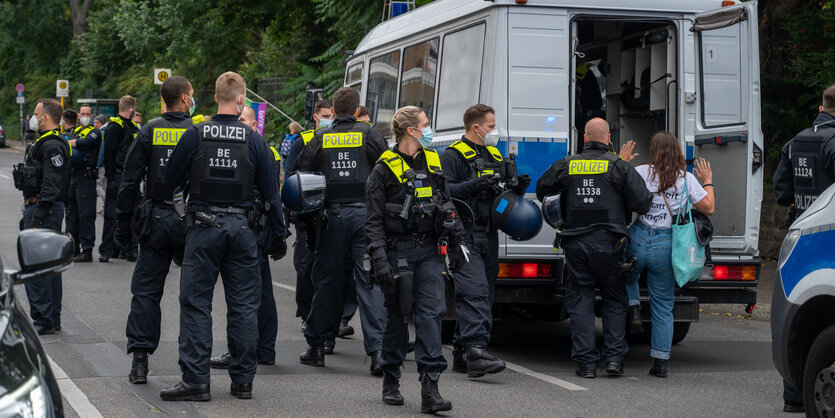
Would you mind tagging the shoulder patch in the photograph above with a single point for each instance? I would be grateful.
(57, 160)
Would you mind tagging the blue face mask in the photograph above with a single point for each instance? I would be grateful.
(193, 106)
(324, 123)
(426, 139)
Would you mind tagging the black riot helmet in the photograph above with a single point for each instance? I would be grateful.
(516, 216)
(552, 212)
(304, 192)
(465, 214)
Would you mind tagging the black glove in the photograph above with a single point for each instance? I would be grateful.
(278, 249)
(524, 182)
(487, 181)
(122, 236)
(457, 260)
(383, 275)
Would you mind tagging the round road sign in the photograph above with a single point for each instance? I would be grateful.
(19, 87)
(62, 85)
(162, 76)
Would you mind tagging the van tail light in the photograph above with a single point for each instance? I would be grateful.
(525, 270)
(727, 3)
(725, 272)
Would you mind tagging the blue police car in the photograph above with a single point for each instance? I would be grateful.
(803, 307)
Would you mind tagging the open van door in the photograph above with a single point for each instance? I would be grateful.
(722, 104)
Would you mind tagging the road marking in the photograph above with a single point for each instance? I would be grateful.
(284, 286)
(5, 177)
(75, 397)
(536, 375)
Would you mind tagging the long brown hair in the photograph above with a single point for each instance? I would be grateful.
(666, 159)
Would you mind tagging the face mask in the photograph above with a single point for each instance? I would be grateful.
(85, 120)
(324, 123)
(33, 123)
(426, 139)
(193, 106)
(491, 138)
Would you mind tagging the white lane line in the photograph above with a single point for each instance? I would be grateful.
(536, 375)
(284, 286)
(75, 397)
(5, 176)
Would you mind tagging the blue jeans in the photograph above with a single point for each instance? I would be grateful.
(652, 248)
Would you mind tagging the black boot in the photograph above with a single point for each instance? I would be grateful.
(314, 356)
(221, 361)
(375, 364)
(459, 359)
(139, 368)
(85, 256)
(391, 388)
(430, 399)
(659, 368)
(241, 390)
(480, 362)
(329, 346)
(185, 391)
(636, 324)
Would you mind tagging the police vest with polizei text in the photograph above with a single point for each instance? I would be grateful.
(345, 163)
(591, 200)
(165, 135)
(420, 181)
(809, 174)
(221, 171)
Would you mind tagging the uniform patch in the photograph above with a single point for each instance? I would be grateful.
(585, 167)
(57, 160)
(167, 136)
(342, 140)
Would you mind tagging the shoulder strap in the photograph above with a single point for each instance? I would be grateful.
(197, 119)
(275, 153)
(396, 164)
(684, 196)
(465, 150)
(117, 120)
(433, 162)
(308, 135)
(495, 153)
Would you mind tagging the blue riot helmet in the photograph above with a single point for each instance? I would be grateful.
(304, 192)
(516, 216)
(552, 212)
(76, 158)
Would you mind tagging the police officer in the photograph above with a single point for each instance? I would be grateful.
(224, 161)
(472, 166)
(162, 231)
(81, 196)
(806, 169)
(267, 313)
(409, 226)
(599, 190)
(117, 140)
(43, 178)
(345, 152)
(302, 256)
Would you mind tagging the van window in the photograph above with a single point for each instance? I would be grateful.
(354, 74)
(417, 77)
(722, 65)
(460, 80)
(382, 90)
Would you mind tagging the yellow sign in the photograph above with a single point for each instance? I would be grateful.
(585, 167)
(342, 140)
(422, 192)
(62, 84)
(167, 136)
(161, 74)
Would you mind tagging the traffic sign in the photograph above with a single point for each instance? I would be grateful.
(20, 100)
(19, 87)
(62, 88)
(20, 93)
(161, 74)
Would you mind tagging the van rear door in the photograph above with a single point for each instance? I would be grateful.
(721, 108)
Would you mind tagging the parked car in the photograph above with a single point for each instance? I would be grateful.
(27, 384)
(802, 314)
(2, 135)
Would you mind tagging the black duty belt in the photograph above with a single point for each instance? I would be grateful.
(163, 203)
(412, 240)
(346, 205)
(219, 209)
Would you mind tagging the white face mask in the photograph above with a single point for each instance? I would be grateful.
(33, 123)
(491, 138)
(85, 120)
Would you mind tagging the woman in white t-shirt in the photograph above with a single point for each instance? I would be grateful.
(651, 238)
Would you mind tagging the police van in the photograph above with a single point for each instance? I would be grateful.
(803, 306)
(547, 66)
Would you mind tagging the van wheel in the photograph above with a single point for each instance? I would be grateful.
(819, 376)
(680, 330)
(447, 330)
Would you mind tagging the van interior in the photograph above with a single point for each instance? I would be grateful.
(626, 73)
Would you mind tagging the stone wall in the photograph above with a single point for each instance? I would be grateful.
(772, 219)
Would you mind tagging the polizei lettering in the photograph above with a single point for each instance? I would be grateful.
(224, 132)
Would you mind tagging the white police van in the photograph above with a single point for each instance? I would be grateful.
(803, 306)
(688, 66)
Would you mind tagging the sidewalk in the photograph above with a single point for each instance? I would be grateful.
(762, 312)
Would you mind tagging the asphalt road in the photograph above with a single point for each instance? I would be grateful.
(723, 368)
